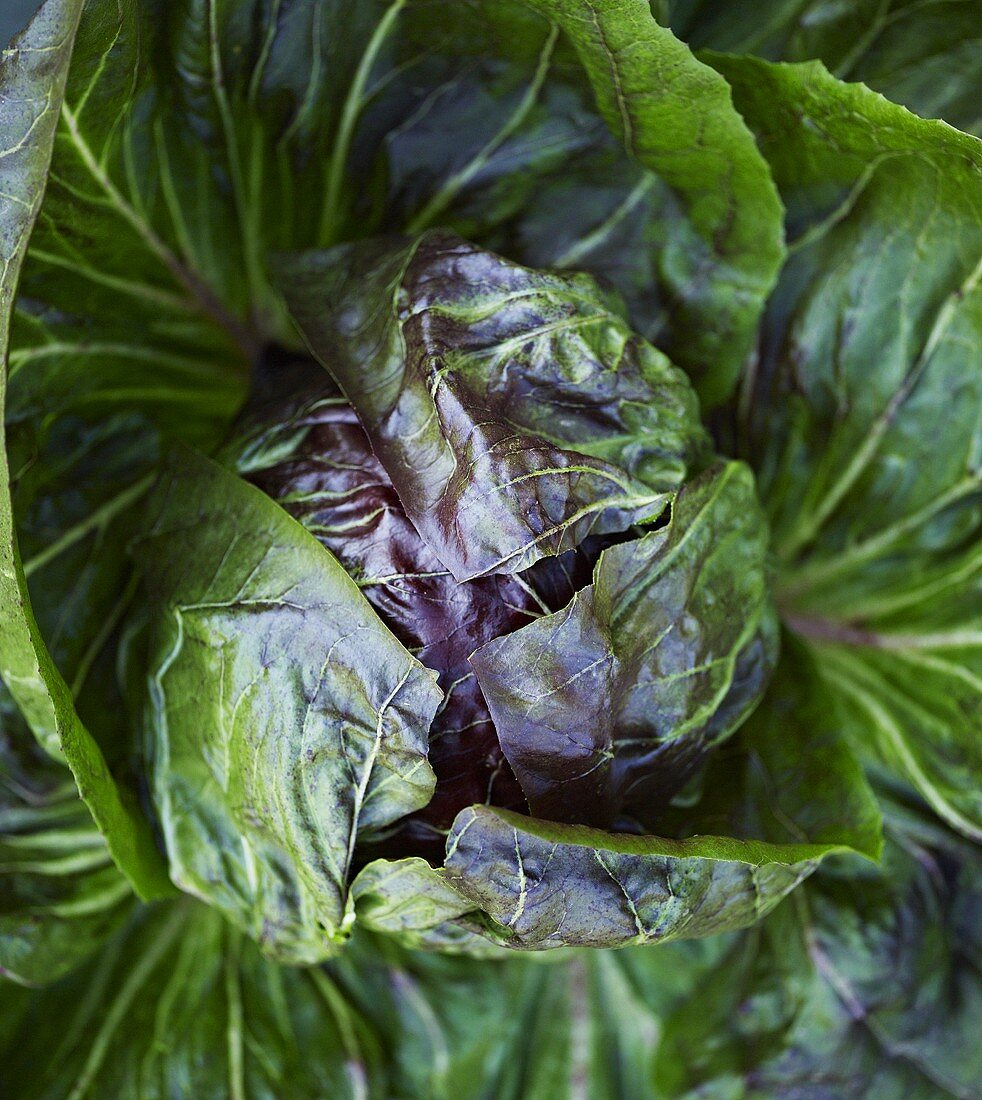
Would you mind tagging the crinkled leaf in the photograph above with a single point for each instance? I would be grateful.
(547, 885)
(413, 901)
(283, 717)
(610, 705)
(926, 56)
(514, 411)
(675, 116)
(61, 895)
(782, 795)
(865, 984)
(862, 416)
(32, 84)
(301, 443)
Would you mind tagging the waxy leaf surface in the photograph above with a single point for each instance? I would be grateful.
(514, 411)
(283, 718)
(863, 417)
(608, 706)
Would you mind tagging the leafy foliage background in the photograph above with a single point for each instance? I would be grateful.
(811, 259)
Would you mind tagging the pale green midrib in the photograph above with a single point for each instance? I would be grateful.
(805, 533)
(843, 676)
(576, 252)
(806, 577)
(249, 231)
(234, 1025)
(97, 519)
(341, 1013)
(350, 112)
(137, 976)
(459, 180)
(179, 271)
(838, 632)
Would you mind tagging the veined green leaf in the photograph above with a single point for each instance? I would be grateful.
(33, 84)
(180, 1002)
(61, 895)
(789, 774)
(864, 984)
(413, 901)
(675, 117)
(547, 885)
(283, 719)
(924, 55)
(784, 794)
(863, 417)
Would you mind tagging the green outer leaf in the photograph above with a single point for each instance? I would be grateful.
(676, 117)
(415, 902)
(546, 885)
(924, 55)
(863, 417)
(32, 83)
(918, 715)
(864, 985)
(181, 1004)
(283, 718)
(800, 777)
(610, 705)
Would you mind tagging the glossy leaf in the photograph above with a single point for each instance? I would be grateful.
(789, 774)
(683, 128)
(547, 885)
(283, 718)
(866, 363)
(782, 795)
(925, 56)
(609, 706)
(33, 84)
(863, 985)
(301, 443)
(514, 411)
(415, 902)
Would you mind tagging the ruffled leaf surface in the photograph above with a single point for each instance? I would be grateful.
(282, 717)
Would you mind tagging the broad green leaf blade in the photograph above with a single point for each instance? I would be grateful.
(581, 1023)
(609, 706)
(514, 411)
(180, 1003)
(32, 84)
(863, 416)
(865, 984)
(546, 885)
(918, 712)
(409, 899)
(61, 895)
(789, 774)
(926, 56)
(283, 718)
(675, 116)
